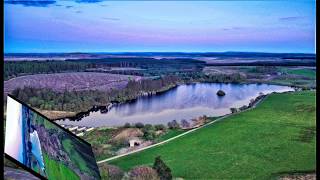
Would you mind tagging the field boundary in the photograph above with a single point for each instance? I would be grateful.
(183, 134)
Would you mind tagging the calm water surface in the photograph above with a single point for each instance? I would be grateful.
(182, 102)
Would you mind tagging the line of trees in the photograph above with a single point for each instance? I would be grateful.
(75, 101)
(14, 69)
(222, 78)
(150, 66)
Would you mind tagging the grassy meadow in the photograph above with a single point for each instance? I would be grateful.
(58, 170)
(276, 137)
(310, 73)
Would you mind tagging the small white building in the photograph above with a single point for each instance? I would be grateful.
(73, 128)
(80, 134)
(89, 129)
(135, 142)
(81, 129)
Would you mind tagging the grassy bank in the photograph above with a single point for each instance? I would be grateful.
(171, 133)
(278, 136)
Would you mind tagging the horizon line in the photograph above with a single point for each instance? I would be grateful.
(118, 52)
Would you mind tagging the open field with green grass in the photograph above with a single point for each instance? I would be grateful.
(171, 133)
(276, 137)
(307, 72)
(74, 155)
(58, 170)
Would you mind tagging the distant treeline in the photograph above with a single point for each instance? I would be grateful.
(18, 68)
(151, 66)
(144, 62)
(189, 77)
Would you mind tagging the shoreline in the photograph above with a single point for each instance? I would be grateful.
(105, 109)
(258, 100)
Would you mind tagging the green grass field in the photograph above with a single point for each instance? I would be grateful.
(56, 170)
(171, 133)
(74, 155)
(304, 72)
(276, 137)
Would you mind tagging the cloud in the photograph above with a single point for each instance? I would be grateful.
(232, 28)
(45, 3)
(35, 3)
(291, 18)
(111, 19)
(88, 1)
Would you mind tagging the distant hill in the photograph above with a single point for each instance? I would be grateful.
(198, 54)
(210, 58)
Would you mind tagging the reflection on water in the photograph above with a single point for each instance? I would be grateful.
(182, 102)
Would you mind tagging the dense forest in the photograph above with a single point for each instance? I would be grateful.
(145, 63)
(148, 66)
(14, 68)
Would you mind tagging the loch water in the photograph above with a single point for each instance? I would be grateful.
(182, 102)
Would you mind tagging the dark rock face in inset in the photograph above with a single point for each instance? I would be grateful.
(221, 93)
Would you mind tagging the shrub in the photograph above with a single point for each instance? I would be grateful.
(139, 125)
(148, 127)
(149, 135)
(173, 124)
(143, 173)
(127, 125)
(160, 127)
(149, 132)
(162, 169)
(233, 110)
(110, 172)
(185, 123)
(242, 108)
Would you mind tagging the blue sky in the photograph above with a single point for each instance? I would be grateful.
(137, 26)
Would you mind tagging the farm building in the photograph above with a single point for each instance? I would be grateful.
(135, 142)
